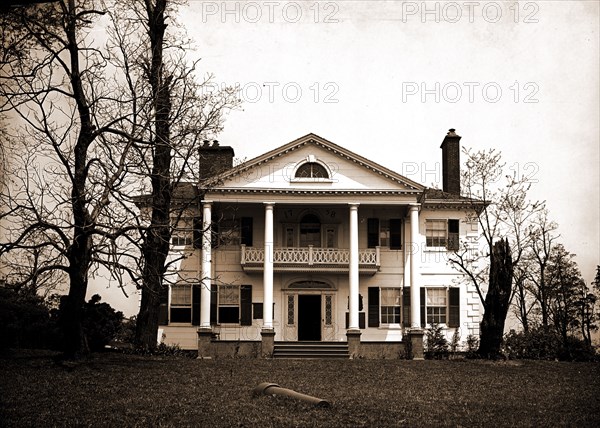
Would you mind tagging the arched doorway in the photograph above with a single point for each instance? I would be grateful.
(309, 313)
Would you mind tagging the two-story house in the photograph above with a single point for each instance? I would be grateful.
(312, 242)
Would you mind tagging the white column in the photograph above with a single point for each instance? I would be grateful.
(268, 268)
(353, 268)
(415, 292)
(206, 264)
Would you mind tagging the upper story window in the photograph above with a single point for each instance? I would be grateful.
(310, 231)
(442, 233)
(384, 233)
(183, 234)
(311, 170)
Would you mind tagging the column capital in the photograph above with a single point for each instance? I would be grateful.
(206, 202)
(353, 205)
(269, 204)
(414, 207)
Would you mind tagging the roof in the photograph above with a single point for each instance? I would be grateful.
(326, 144)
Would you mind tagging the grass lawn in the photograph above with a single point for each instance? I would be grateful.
(125, 390)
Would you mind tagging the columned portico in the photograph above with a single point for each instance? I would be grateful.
(206, 265)
(353, 268)
(268, 268)
(415, 296)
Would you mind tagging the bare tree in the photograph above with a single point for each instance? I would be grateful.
(68, 146)
(506, 212)
(179, 112)
(544, 236)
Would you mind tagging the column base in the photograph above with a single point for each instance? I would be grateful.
(353, 337)
(268, 342)
(205, 349)
(415, 338)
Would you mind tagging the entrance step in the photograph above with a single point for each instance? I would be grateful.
(311, 350)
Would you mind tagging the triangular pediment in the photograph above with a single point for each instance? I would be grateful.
(342, 170)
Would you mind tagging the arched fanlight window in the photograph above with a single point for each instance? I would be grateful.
(311, 170)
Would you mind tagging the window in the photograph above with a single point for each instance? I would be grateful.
(330, 241)
(229, 232)
(384, 306)
(235, 304)
(183, 235)
(390, 305)
(229, 304)
(440, 305)
(310, 231)
(290, 234)
(311, 170)
(442, 233)
(384, 233)
(181, 303)
(436, 304)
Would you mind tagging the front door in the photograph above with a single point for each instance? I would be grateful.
(309, 317)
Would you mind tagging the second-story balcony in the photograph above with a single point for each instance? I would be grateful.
(310, 259)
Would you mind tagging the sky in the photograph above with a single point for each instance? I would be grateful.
(387, 79)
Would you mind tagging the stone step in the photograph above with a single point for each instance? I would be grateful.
(311, 350)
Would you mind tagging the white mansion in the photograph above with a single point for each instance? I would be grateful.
(311, 242)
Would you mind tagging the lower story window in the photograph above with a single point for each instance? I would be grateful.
(229, 304)
(181, 303)
(390, 305)
(436, 305)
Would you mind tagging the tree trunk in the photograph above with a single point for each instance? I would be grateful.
(496, 301)
(158, 235)
(522, 305)
(79, 253)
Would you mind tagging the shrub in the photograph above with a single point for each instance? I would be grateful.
(455, 342)
(436, 344)
(101, 323)
(472, 346)
(126, 333)
(546, 344)
(25, 321)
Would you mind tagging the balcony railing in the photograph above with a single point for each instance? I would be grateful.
(310, 259)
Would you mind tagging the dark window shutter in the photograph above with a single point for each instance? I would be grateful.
(197, 232)
(257, 311)
(454, 307)
(246, 303)
(213, 303)
(196, 304)
(163, 311)
(423, 318)
(406, 306)
(373, 306)
(214, 231)
(372, 232)
(395, 234)
(247, 231)
(453, 235)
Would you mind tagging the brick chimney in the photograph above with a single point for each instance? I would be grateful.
(214, 159)
(451, 162)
